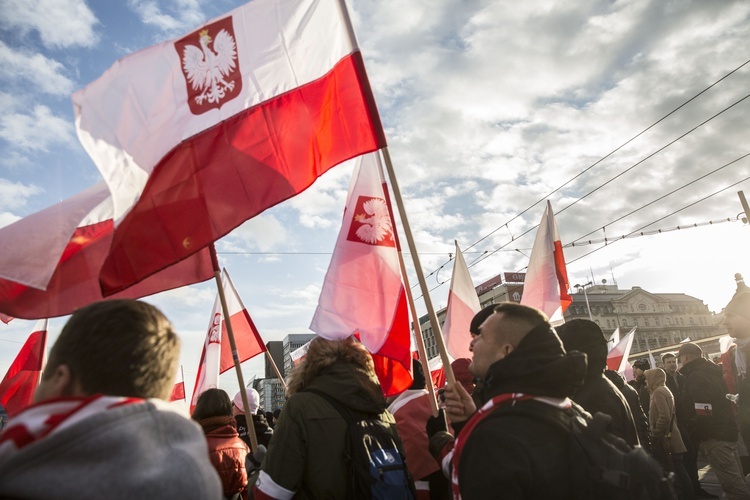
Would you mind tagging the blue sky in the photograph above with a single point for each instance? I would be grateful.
(488, 106)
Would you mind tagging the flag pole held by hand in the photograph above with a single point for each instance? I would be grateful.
(233, 345)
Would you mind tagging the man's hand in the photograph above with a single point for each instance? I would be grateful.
(458, 403)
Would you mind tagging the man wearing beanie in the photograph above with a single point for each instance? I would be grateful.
(263, 431)
(598, 394)
(735, 361)
(710, 419)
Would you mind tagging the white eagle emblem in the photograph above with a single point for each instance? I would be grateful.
(206, 67)
(376, 223)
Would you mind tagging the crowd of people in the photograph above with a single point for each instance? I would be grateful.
(100, 426)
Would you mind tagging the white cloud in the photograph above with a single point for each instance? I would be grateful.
(173, 19)
(60, 23)
(263, 233)
(14, 195)
(7, 218)
(36, 131)
(35, 69)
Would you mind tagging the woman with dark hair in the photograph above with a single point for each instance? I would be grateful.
(227, 451)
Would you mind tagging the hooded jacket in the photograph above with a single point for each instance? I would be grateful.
(140, 450)
(306, 455)
(598, 394)
(227, 453)
(709, 414)
(514, 453)
(662, 410)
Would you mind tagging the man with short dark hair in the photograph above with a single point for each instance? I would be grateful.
(710, 421)
(100, 427)
(503, 449)
(639, 382)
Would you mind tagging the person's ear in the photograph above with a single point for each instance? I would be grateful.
(57, 384)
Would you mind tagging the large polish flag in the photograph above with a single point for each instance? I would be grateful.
(196, 135)
(363, 293)
(463, 304)
(50, 260)
(546, 284)
(20, 382)
(216, 357)
(617, 359)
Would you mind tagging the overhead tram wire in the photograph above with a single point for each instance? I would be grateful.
(484, 256)
(660, 198)
(597, 162)
(660, 219)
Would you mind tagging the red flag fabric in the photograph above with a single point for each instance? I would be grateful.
(178, 391)
(195, 136)
(50, 260)
(617, 358)
(5, 318)
(217, 357)
(363, 293)
(546, 284)
(463, 304)
(246, 335)
(20, 382)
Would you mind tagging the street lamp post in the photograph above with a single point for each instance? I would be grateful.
(586, 297)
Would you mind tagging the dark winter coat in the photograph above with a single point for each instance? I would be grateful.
(306, 454)
(263, 431)
(706, 391)
(514, 455)
(634, 403)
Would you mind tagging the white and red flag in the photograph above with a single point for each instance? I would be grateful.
(363, 293)
(617, 359)
(194, 136)
(546, 284)
(216, 357)
(178, 392)
(463, 304)
(50, 260)
(20, 382)
(208, 366)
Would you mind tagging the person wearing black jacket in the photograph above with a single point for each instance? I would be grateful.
(598, 394)
(634, 403)
(522, 364)
(710, 420)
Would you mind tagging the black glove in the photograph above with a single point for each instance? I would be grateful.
(254, 459)
(437, 424)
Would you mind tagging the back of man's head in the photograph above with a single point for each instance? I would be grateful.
(520, 320)
(119, 348)
(585, 336)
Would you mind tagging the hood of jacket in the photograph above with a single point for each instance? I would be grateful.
(538, 366)
(655, 377)
(585, 336)
(350, 384)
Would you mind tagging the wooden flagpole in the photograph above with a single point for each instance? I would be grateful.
(415, 320)
(275, 368)
(184, 392)
(451, 378)
(233, 344)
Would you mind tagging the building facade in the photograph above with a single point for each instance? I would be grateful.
(271, 392)
(662, 319)
(276, 351)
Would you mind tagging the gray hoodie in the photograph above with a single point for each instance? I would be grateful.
(144, 450)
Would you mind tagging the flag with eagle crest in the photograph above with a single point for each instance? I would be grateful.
(363, 293)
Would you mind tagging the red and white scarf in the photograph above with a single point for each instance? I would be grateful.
(49, 417)
(484, 412)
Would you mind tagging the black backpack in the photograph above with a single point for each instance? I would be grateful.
(609, 467)
(377, 468)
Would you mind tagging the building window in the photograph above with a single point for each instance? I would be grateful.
(646, 322)
(624, 322)
(641, 307)
(608, 324)
(635, 322)
(656, 322)
(691, 320)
